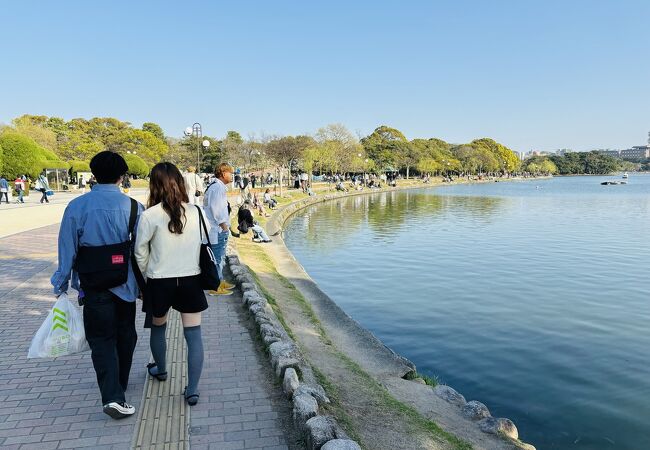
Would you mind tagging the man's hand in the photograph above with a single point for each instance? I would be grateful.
(224, 226)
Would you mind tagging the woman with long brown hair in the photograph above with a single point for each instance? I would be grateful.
(167, 251)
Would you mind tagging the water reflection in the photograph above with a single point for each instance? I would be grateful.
(388, 215)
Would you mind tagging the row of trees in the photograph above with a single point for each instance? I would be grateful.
(36, 142)
(32, 143)
(573, 163)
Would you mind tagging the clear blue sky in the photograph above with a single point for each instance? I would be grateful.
(532, 75)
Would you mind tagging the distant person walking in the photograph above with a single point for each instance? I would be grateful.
(167, 251)
(215, 204)
(193, 185)
(19, 186)
(304, 181)
(126, 184)
(4, 189)
(91, 227)
(82, 184)
(43, 186)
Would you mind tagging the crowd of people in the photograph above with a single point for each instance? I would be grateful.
(22, 184)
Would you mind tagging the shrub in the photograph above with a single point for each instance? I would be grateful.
(79, 166)
(137, 166)
(20, 154)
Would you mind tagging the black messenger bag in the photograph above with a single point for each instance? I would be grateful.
(106, 266)
(207, 262)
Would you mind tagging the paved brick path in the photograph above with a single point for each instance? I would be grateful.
(56, 404)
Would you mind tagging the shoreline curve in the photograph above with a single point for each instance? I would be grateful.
(390, 368)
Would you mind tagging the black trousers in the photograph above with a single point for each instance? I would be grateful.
(44, 196)
(109, 323)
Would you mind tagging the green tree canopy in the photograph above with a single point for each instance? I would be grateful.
(386, 146)
(82, 139)
(21, 155)
(339, 150)
(137, 166)
(572, 163)
(79, 166)
(154, 129)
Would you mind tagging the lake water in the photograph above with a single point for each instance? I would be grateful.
(532, 297)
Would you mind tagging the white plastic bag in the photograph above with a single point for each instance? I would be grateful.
(62, 332)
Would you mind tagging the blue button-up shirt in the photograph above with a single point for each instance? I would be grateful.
(100, 217)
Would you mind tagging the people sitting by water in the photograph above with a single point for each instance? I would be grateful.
(258, 205)
(268, 200)
(340, 187)
(246, 222)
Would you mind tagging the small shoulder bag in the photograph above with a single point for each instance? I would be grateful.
(106, 266)
(207, 261)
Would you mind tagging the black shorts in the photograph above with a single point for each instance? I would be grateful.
(184, 294)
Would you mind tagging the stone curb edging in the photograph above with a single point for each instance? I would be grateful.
(298, 381)
(473, 410)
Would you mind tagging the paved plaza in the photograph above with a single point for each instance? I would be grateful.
(55, 403)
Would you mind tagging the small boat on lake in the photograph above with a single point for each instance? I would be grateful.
(625, 175)
(613, 183)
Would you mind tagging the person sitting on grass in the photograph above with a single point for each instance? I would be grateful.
(268, 200)
(257, 204)
(246, 222)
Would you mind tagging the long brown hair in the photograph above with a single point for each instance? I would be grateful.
(167, 186)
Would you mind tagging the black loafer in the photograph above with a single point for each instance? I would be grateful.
(158, 376)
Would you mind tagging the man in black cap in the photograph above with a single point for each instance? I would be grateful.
(95, 254)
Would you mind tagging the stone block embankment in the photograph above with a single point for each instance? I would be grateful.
(298, 382)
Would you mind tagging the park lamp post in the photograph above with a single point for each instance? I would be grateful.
(444, 161)
(195, 130)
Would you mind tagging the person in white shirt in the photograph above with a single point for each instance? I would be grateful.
(167, 251)
(193, 185)
(269, 200)
(304, 181)
(215, 204)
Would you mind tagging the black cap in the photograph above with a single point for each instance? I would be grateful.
(108, 167)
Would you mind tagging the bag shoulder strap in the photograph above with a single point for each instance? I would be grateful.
(139, 278)
(202, 226)
(132, 217)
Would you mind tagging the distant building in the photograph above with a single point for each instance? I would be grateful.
(636, 152)
(614, 153)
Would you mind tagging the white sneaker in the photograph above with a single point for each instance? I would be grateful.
(119, 410)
